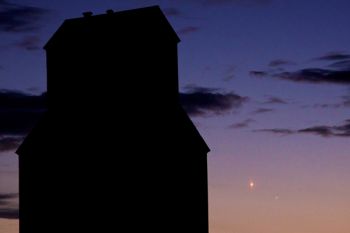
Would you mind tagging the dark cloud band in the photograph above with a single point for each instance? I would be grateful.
(19, 113)
(334, 56)
(187, 30)
(20, 18)
(9, 213)
(342, 130)
(202, 101)
(317, 76)
(6, 211)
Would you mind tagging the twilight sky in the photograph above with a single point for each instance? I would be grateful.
(267, 83)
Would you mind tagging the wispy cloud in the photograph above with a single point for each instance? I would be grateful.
(187, 30)
(199, 101)
(6, 197)
(242, 124)
(310, 75)
(338, 105)
(30, 43)
(230, 73)
(262, 110)
(334, 56)
(345, 64)
(6, 206)
(19, 113)
(280, 131)
(280, 62)
(259, 73)
(341, 130)
(236, 2)
(337, 72)
(9, 143)
(20, 18)
(275, 100)
(346, 100)
(172, 11)
(9, 213)
(317, 76)
(329, 131)
(195, 88)
(324, 131)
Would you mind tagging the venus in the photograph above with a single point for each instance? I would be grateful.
(251, 184)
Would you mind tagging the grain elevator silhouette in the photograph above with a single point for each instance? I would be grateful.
(115, 151)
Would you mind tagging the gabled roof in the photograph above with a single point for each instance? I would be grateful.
(150, 22)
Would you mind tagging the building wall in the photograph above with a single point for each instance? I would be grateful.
(118, 153)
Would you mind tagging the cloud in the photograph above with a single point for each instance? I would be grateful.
(342, 130)
(6, 209)
(237, 2)
(275, 100)
(30, 43)
(333, 56)
(259, 74)
(311, 75)
(19, 113)
(329, 131)
(199, 101)
(346, 100)
(172, 11)
(276, 131)
(229, 73)
(20, 18)
(328, 105)
(337, 72)
(9, 213)
(280, 62)
(316, 76)
(262, 110)
(324, 131)
(5, 198)
(343, 103)
(243, 124)
(194, 88)
(187, 30)
(345, 64)
(9, 143)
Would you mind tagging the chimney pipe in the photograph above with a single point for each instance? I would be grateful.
(87, 14)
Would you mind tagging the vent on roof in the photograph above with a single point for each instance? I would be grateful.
(87, 14)
(110, 11)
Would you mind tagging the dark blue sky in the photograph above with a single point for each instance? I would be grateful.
(274, 77)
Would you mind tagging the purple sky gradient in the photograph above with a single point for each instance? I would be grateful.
(280, 70)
